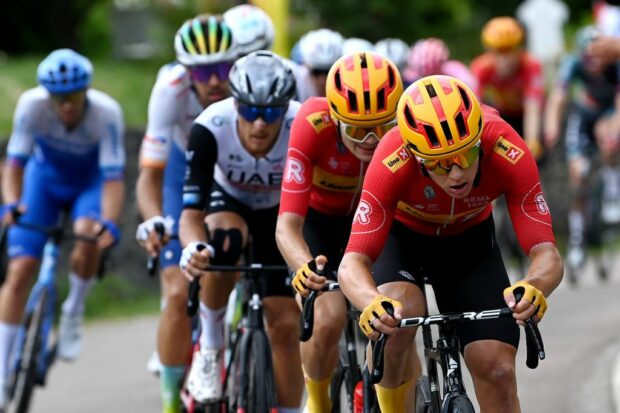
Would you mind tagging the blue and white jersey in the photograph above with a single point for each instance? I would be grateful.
(173, 106)
(94, 146)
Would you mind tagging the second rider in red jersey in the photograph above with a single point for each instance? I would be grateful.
(332, 141)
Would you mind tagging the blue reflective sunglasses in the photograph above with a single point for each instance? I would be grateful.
(269, 114)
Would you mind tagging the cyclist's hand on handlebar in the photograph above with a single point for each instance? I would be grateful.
(149, 238)
(533, 304)
(195, 258)
(307, 276)
(376, 318)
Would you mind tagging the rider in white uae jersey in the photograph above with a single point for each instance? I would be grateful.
(236, 156)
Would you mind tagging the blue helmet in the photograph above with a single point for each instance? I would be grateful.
(65, 71)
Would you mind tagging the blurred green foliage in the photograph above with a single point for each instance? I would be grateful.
(129, 82)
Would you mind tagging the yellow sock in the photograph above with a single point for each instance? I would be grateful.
(392, 399)
(318, 395)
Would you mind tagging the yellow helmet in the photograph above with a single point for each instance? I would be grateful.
(363, 88)
(439, 117)
(502, 33)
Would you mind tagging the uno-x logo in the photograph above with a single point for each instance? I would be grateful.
(362, 213)
(508, 151)
(294, 171)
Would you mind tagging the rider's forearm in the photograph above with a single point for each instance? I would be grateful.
(291, 243)
(546, 269)
(355, 279)
(555, 109)
(192, 226)
(149, 192)
(112, 197)
(531, 120)
(12, 180)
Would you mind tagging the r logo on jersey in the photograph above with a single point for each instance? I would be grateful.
(319, 120)
(397, 159)
(294, 171)
(508, 151)
(369, 215)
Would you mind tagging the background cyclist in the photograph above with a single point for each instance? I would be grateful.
(319, 49)
(332, 141)
(394, 49)
(431, 56)
(236, 156)
(596, 97)
(66, 150)
(425, 210)
(205, 54)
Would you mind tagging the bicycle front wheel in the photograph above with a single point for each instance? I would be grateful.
(423, 396)
(261, 396)
(459, 403)
(25, 375)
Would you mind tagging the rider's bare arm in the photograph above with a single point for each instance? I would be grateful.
(112, 197)
(553, 116)
(290, 239)
(149, 191)
(12, 180)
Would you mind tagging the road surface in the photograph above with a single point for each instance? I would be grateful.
(581, 333)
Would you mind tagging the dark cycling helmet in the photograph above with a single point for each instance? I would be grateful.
(262, 79)
(204, 40)
(65, 71)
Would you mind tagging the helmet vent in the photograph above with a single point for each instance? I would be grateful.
(431, 90)
(338, 81)
(409, 118)
(352, 101)
(465, 98)
(446, 130)
(248, 82)
(363, 61)
(391, 76)
(367, 100)
(460, 124)
(381, 99)
(432, 135)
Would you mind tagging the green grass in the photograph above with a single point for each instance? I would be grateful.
(119, 297)
(128, 82)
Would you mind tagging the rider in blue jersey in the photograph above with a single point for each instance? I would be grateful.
(66, 151)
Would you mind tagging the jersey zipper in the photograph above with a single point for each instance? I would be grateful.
(452, 206)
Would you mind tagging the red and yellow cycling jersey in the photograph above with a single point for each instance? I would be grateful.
(321, 172)
(508, 95)
(396, 188)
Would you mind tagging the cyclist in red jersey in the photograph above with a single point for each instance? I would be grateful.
(332, 141)
(425, 211)
(510, 79)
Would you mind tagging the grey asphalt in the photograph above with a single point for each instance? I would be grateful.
(581, 332)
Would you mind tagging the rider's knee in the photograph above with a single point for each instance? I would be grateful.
(19, 276)
(283, 331)
(175, 288)
(228, 245)
(497, 372)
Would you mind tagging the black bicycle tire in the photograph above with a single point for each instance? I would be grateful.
(261, 395)
(336, 387)
(423, 396)
(459, 403)
(25, 379)
(232, 385)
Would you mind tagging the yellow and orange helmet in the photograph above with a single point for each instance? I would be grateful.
(363, 89)
(502, 33)
(439, 117)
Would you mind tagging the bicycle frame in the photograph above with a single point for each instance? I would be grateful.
(45, 284)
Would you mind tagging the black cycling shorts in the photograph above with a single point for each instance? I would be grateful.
(327, 235)
(466, 271)
(263, 248)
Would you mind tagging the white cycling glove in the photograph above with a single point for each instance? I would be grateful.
(193, 248)
(145, 228)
